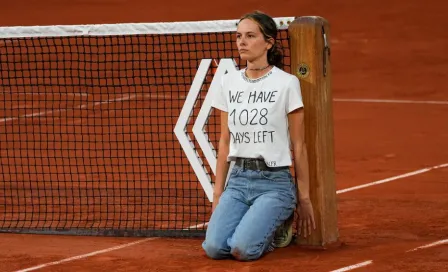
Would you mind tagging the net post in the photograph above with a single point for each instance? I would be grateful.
(309, 38)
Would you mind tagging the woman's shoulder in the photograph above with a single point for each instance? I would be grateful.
(230, 75)
(283, 74)
(284, 77)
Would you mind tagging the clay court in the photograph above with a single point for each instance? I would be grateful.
(390, 108)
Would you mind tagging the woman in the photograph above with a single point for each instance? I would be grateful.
(262, 119)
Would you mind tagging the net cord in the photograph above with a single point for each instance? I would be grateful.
(129, 28)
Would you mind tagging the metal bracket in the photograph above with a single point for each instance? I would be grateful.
(326, 52)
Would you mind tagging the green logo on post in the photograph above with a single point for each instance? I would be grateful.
(303, 70)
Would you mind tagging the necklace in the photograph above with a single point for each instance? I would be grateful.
(259, 69)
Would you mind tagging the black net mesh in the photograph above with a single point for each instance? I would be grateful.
(86, 133)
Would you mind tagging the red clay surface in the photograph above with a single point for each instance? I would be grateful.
(380, 49)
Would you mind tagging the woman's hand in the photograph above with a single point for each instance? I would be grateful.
(306, 217)
(305, 222)
(216, 197)
(222, 165)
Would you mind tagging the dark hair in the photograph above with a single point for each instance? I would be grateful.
(268, 27)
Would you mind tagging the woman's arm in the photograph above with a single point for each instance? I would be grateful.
(297, 135)
(222, 165)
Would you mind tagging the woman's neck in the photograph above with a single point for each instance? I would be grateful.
(257, 69)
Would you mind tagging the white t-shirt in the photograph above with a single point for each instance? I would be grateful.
(257, 114)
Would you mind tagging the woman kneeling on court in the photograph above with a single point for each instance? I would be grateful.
(262, 119)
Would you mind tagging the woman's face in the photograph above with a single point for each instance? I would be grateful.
(250, 41)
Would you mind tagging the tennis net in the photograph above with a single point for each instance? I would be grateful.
(108, 130)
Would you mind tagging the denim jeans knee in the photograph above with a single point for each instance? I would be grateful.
(245, 252)
(224, 220)
(214, 250)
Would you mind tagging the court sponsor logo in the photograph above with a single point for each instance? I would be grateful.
(180, 130)
(303, 71)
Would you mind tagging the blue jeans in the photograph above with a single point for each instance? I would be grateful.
(251, 208)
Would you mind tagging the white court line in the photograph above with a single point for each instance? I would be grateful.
(359, 100)
(124, 98)
(30, 115)
(156, 96)
(392, 178)
(98, 252)
(441, 242)
(86, 255)
(197, 226)
(355, 266)
(398, 101)
(38, 93)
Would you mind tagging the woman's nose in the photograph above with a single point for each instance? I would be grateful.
(242, 41)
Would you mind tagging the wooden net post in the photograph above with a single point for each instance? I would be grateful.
(310, 62)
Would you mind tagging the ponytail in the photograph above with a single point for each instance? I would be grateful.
(275, 56)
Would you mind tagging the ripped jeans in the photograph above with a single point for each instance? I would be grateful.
(251, 208)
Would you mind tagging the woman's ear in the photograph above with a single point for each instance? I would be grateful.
(271, 42)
